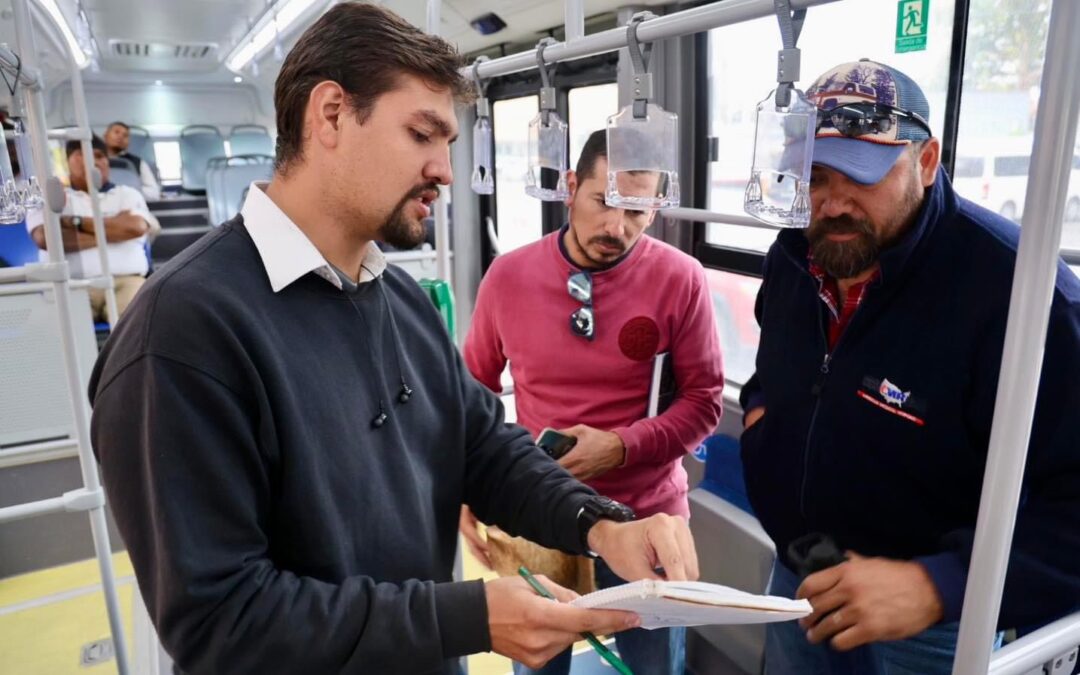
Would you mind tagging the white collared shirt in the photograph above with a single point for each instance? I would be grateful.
(286, 252)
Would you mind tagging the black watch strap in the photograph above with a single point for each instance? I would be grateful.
(596, 509)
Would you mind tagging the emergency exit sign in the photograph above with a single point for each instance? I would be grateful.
(912, 20)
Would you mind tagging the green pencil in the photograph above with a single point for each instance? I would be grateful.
(600, 647)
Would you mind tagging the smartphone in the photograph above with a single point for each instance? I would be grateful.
(555, 444)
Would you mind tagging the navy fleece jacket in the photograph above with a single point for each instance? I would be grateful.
(882, 444)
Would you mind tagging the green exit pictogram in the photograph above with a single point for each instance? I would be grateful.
(912, 21)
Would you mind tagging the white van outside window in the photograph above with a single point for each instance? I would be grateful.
(995, 176)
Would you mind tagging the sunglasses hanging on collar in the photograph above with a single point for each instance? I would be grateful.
(583, 319)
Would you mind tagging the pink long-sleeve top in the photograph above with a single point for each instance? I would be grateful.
(655, 300)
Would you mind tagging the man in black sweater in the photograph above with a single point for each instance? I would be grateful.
(287, 432)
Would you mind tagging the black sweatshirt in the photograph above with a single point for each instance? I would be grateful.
(272, 528)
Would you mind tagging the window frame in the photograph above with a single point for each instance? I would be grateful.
(750, 263)
(601, 69)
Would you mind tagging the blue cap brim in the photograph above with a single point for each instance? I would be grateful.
(864, 162)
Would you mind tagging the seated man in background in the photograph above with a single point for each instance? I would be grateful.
(581, 316)
(117, 139)
(868, 420)
(127, 224)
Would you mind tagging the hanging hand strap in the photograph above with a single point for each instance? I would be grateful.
(12, 86)
(547, 92)
(639, 58)
(483, 109)
(788, 58)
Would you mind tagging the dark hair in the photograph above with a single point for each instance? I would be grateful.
(365, 49)
(595, 148)
(96, 143)
(118, 124)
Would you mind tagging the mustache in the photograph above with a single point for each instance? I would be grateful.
(843, 224)
(430, 190)
(605, 240)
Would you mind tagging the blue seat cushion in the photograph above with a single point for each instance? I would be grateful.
(17, 248)
(724, 471)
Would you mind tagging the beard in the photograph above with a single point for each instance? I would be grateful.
(398, 230)
(848, 259)
(843, 259)
(607, 258)
(604, 260)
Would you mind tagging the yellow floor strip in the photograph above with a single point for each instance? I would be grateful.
(26, 587)
(64, 610)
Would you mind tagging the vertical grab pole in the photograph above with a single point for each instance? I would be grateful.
(1025, 338)
(434, 17)
(441, 209)
(34, 99)
(83, 121)
(574, 16)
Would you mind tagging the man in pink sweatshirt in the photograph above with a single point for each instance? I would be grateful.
(581, 315)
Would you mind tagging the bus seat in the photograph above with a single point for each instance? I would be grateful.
(228, 178)
(122, 163)
(215, 190)
(238, 176)
(250, 139)
(141, 144)
(733, 550)
(724, 472)
(198, 145)
(124, 176)
(17, 248)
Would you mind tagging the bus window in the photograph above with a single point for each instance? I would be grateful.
(968, 167)
(742, 70)
(517, 215)
(733, 297)
(168, 159)
(589, 109)
(1002, 75)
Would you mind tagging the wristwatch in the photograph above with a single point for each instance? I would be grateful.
(596, 509)
(76, 223)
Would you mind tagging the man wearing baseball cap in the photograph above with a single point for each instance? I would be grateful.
(869, 416)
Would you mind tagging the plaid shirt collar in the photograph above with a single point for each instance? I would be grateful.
(829, 292)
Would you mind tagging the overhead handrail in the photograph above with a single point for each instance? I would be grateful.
(676, 24)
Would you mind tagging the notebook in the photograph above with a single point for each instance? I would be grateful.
(662, 385)
(693, 603)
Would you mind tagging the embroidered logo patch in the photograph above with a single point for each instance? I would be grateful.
(639, 338)
(892, 399)
(892, 393)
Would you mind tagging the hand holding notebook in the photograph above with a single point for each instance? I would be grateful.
(693, 603)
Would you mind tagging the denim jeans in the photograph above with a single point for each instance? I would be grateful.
(646, 652)
(787, 651)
